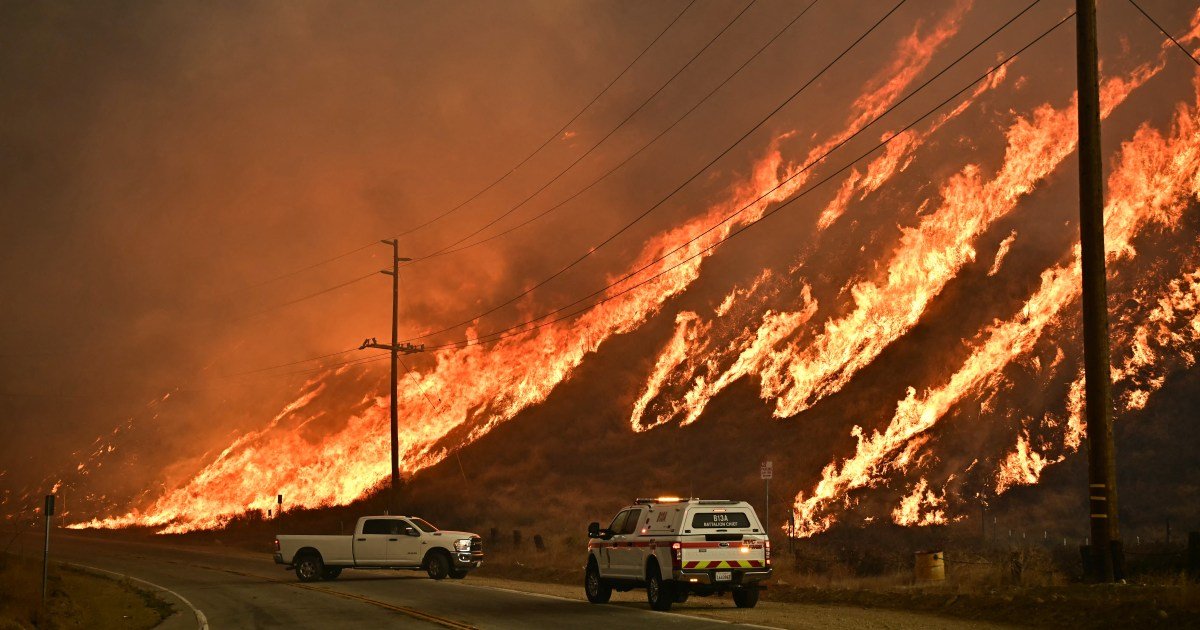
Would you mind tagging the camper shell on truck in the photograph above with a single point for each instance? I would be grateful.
(382, 542)
(678, 547)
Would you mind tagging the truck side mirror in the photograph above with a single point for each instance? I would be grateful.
(593, 530)
(411, 531)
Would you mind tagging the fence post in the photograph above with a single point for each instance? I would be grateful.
(516, 538)
(538, 542)
(1193, 555)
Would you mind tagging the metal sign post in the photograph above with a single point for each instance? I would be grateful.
(47, 513)
(766, 471)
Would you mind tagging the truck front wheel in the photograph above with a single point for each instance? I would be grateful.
(437, 565)
(659, 592)
(597, 590)
(309, 568)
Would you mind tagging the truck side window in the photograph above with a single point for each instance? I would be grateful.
(377, 526)
(424, 525)
(631, 524)
(618, 523)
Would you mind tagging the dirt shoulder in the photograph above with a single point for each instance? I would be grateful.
(890, 602)
(76, 599)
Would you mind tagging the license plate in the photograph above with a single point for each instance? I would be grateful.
(724, 576)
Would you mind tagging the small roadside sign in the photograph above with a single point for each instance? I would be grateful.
(766, 471)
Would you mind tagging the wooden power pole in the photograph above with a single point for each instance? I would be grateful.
(1106, 553)
(396, 348)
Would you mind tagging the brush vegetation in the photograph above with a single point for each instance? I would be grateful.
(75, 599)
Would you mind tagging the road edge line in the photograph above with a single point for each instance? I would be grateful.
(201, 620)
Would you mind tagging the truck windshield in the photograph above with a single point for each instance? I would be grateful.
(423, 525)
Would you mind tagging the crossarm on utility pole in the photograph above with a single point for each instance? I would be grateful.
(395, 348)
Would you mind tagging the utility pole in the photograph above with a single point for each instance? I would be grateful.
(395, 348)
(1107, 557)
(767, 470)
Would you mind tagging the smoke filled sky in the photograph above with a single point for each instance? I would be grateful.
(167, 167)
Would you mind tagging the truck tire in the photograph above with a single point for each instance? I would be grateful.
(309, 567)
(437, 565)
(746, 597)
(659, 592)
(331, 573)
(598, 591)
(458, 574)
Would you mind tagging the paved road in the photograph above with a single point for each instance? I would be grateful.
(236, 589)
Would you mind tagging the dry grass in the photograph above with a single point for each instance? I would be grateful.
(1032, 585)
(75, 599)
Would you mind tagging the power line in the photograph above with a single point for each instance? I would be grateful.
(668, 254)
(306, 297)
(450, 249)
(499, 334)
(621, 164)
(297, 362)
(498, 180)
(1164, 32)
(369, 359)
(529, 324)
(599, 142)
(680, 187)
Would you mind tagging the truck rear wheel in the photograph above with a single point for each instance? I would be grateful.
(659, 592)
(437, 565)
(597, 590)
(309, 568)
(746, 597)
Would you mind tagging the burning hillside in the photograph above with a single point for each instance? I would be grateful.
(907, 338)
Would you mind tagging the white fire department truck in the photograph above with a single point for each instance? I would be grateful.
(676, 547)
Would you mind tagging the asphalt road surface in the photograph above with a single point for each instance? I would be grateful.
(232, 588)
(236, 589)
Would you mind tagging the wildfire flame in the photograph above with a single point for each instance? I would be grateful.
(921, 507)
(797, 363)
(1155, 175)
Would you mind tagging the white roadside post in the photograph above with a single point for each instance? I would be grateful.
(47, 514)
(766, 471)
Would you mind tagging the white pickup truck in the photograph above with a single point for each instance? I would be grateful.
(382, 542)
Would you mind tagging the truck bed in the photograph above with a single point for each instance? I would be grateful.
(335, 550)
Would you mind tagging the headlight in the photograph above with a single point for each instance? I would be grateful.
(462, 544)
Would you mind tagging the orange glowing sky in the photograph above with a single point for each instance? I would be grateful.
(178, 170)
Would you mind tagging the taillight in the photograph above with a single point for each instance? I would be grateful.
(276, 544)
(768, 552)
(676, 555)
